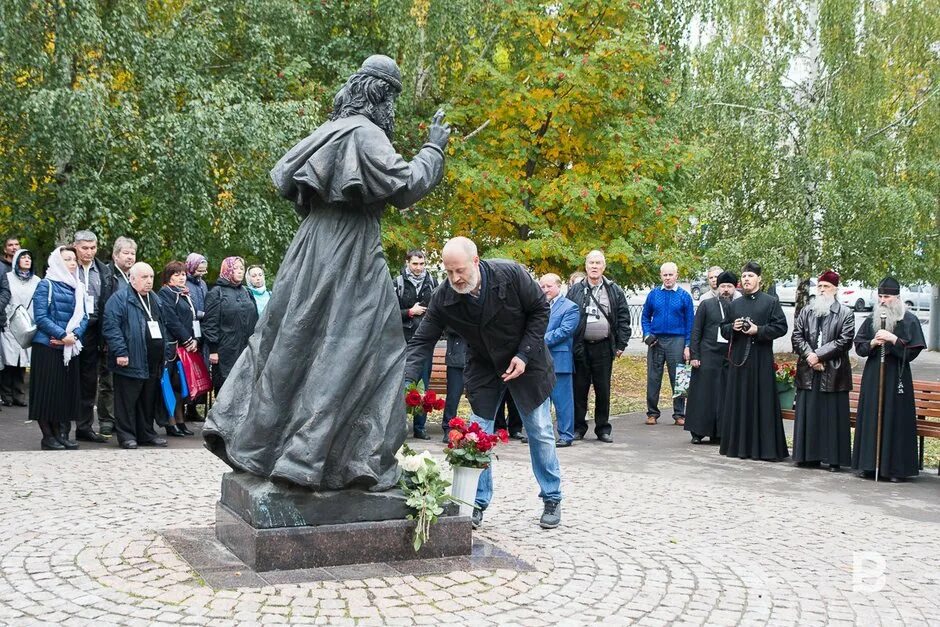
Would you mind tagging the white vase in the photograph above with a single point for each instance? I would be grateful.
(464, 487)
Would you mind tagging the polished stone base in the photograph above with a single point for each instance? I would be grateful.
(264, 504)
(288, 548)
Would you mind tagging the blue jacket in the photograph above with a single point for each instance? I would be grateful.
(559, 335)
(668, 312)
(52, 317)
(125, 329)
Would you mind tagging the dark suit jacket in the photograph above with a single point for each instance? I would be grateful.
(513, 322)
(562, 324)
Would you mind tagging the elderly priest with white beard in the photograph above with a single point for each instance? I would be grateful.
(822, 338)
(902, 339)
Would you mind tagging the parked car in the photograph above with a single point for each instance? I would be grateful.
(857, 296)
(917, 296)
(786, 291)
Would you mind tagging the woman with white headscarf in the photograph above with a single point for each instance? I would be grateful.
(59, 312)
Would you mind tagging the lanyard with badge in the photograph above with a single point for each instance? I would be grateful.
(152, 325)
(89, 298)
(197, 327)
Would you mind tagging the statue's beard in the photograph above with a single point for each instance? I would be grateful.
(894, 312)
(383, 115)
(821, 304)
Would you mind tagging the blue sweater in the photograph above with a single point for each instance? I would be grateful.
(668, 312)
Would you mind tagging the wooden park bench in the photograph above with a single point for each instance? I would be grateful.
(926, 408)
(439, 372)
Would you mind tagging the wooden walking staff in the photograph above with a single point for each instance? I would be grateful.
(881, 402)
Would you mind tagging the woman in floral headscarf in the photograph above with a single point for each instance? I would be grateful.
(231, 315)
(196, 268)
(59, 312)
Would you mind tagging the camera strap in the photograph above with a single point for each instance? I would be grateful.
(747, 350)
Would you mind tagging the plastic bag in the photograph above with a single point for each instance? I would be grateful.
(195, 374)
(683, 378)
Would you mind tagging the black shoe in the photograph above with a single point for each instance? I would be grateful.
(562, 443)
(89, 436)
(6, 403)
(712, 440)
(67, 443)
(894, 480)
(173, 431)
(696, 439)
(105, 429)
(516, 436)
(19, 404)
(476, 518)
(129, 444)
(551, 515)
(524, 440)
(153, 442)
(834, 468)
(51, 444)
(578, 436)
(605, 437)
(421, 435)
(184, 429)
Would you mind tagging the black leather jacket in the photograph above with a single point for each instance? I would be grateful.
(832, 348)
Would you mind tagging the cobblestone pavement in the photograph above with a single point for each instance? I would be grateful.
(655, 532)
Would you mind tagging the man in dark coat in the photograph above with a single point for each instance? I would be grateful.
(602, 336)
(123, 257)
(413, 288)
(822, 338)
(95, 276)
(708, 350)
(751, 424)
(136, 335)
(902, 340)
(502, 314)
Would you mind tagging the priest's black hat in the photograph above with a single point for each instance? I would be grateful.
(752, 266)
(889, 286)
(727, 277)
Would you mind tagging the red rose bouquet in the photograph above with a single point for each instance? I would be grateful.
(469, 445)
(785, 372)
(419, 401)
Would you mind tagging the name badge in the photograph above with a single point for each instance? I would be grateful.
(197, 329)
(154, 327)
(89, 304)
(721, 338)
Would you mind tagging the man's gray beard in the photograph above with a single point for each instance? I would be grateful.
(821, 304)
(469, 287)
(894, 311)
(723, 298)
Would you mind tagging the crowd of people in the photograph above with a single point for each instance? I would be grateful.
(106, 335)
(727, 343)
(108, 342)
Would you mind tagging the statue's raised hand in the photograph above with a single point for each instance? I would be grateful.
(439, 133)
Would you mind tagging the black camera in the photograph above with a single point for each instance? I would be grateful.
(746, 324)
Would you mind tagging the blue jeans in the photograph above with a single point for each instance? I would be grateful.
(538, 428)
(563, 400)
(421, 418)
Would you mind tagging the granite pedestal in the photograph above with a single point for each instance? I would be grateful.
(280, 526)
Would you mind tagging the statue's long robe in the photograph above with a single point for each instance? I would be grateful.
(316, 398)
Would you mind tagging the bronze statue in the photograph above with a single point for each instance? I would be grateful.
(316, 397)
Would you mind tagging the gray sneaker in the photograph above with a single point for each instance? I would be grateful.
(476, 519)
(551, 516)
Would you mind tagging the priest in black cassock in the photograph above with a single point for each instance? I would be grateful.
(751, 424)
(902, 339)
(822, 339)
(708, 350)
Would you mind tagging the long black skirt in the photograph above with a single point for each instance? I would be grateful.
(54, 388)
(822, 429)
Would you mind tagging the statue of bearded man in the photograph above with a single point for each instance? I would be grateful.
(316, 397)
